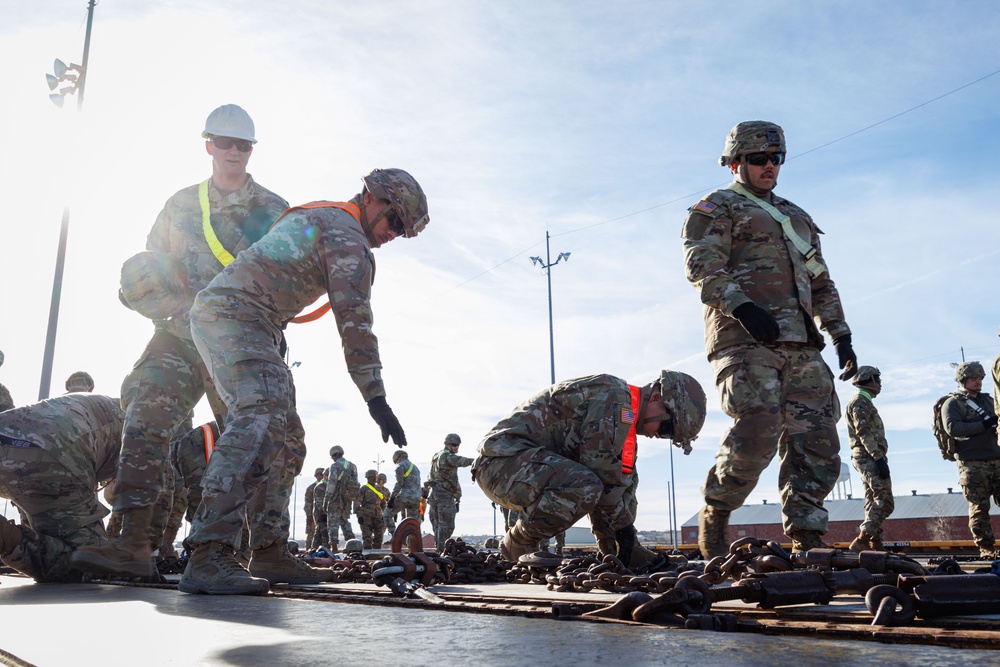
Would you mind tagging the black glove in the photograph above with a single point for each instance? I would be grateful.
(758, 322)
(990, 423)
(361, 521)
(626, 543)
(846, 357)
(882, 465)
(392, 503)
(456, 507)
(386, 420)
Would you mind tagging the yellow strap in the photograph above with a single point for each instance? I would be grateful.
(815, 267)
(218, 250)
(381, 496)
(408, 471)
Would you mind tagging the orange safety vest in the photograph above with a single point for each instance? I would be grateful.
(209, 441)
(628, 450)
(343, 206)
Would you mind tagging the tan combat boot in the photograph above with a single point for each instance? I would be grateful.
(516, 544)
(333, 547)
(863, 542)
(275, 564)
(712, 528)
(129, 555)
(804, 540)
(214, 570)
(10, 536)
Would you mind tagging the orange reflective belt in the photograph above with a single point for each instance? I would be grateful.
(343, 206)
(209, 441)
(628, 451)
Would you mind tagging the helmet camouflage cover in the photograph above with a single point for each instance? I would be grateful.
(336, 449)
(969, 369)
(370, 473)
(684, 400)
(865, 374)
(752, 136)
(404, 194)
(452, 439)
(80, 381)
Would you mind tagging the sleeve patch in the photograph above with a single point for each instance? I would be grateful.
(704, 206)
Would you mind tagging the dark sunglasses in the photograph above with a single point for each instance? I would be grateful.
(666, 429)
(225, 143)
(396, 225)
(760, 159)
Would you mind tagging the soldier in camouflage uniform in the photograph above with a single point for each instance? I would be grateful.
(80, 381)
(446, 492)
(54, 455)
(970, 419)
(341, 492)
(570, 451)
(6, 403)
(200, 229)
(322, 535)
(371, 501)
(755, 259)
(308, 506)
(405, 497)
(388, 513)
(869, 454)
(315, 249)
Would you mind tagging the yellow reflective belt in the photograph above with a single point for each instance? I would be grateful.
(218, 250)
(815, 267)
(381, 496)
(408, 471)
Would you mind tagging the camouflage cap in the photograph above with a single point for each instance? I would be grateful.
(155, 285)
(452, 439)
(684, 399)
(80, 381)
(865, 375)
(336, 449)
(404, 193)
(969, 369)
(752, 136)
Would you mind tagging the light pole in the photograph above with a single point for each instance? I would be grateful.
(76, 76)
(378, 462)
(547, 265)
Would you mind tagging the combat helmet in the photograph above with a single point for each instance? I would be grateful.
(399, 455)
(354, 545)
(752, 136)
(1, 357)
(229, 120)
(404, 194)
(155, 285)
(80, 381)
(452, 439)
(969, 369)
(319, 472)
(370, 473)
(684, 400)
(866, 375)
(336, 449)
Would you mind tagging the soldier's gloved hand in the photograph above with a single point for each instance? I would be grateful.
(846, 357)
(758, 322)
(392, 503)
(456, 507)
(882, 465)
(990, 423)
(386, 420)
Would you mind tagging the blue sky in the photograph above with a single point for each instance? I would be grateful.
(598, 123)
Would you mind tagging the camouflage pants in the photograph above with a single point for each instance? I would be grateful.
(442, 515)
(261, 450)
(310, 529)
(407, 508)
(158, 395)
(550, 491)
(60, 511)
(878, 494)
(980, 482)
(372, 530)
(783, 402)
(338, 517)
(389, 519)
(322, 536)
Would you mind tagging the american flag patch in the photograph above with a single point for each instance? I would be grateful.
(704, 206)
(628, 416)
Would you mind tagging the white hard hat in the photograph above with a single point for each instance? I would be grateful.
(229, 120)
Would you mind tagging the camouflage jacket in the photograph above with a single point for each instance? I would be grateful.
(996, 385)
(238, 219)
(309, 253)
(407, 487)
(864, 426)
(973, 441)
(6, 402)
(82, 431)
(582, 419)
(736, 253)
(343, 482)
(190, 459)
(369, 505)
(444, 476)
(310, 498)
(319, 508)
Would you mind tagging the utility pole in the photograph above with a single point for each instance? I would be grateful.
(547, 265)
